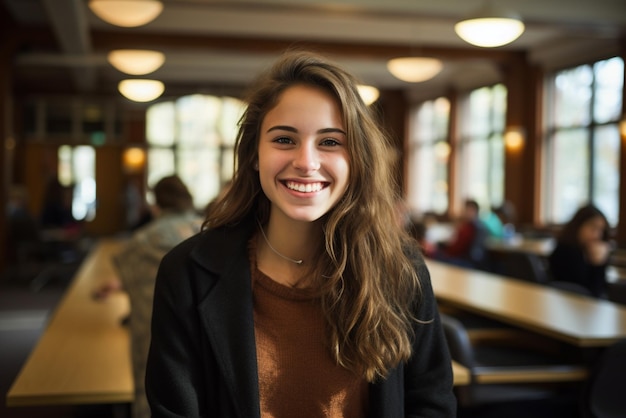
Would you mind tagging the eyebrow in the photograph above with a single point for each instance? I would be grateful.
(294, 130)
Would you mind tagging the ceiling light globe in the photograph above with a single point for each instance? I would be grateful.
(126, 13)
(414, 69)
(489, 32)
(141, 90)
(136, 61)
(369, 94)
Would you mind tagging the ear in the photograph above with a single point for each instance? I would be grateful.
(256, 165)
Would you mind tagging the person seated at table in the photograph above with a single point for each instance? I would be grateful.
(582, 251)
(174, 220)
(499, 221)
(467, 244)
(56, 212)
(22, 229)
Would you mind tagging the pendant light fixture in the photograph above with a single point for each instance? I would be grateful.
(136, 61)
(414, 69)
(369, 94)
(490, 27)
(141, 90)
(126, 13)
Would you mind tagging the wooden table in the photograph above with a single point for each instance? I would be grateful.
(543, 247)
(577, 320)
(538, 246)
(83, 357)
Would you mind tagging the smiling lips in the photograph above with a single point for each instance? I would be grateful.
(305, 187)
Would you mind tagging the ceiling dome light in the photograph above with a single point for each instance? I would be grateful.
(490, 27)
(369, 94)
(414, 69)
(141, 90)
(126, 13)
(136, 61)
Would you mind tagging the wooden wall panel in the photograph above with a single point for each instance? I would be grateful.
(109, 193)
(621, 227)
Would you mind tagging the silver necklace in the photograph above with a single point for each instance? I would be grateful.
(298, 262)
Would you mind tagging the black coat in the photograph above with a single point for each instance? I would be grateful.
(569, 264)
(202, 360)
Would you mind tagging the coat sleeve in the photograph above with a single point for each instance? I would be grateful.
(428, 380)
(174, 369)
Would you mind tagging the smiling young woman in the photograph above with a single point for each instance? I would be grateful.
(302, 296)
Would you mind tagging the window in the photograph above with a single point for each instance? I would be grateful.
(428, 157)
(481, 146)
(77, 167)
(582, 140)
(194, 138)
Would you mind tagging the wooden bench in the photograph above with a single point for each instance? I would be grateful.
(461, 374)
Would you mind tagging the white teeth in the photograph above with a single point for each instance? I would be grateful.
(304, 188)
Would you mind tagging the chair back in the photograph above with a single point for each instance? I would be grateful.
(459, 343)
(570, 287)
(524, 266)
(607, 384)
(616, 292)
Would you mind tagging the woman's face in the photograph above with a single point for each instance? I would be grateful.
(591, 230)
(303, 157)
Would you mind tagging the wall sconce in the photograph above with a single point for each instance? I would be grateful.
(126, 13)
(622, 127)
(490, 27)
(514, 138)
(141, 90)
(414, 69)
(442, 151)
(369, 94)
(133, 159)
(136, 61)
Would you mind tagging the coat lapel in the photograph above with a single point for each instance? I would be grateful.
(226, 313)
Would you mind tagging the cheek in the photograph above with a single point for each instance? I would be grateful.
(587, 234)
(342, 165)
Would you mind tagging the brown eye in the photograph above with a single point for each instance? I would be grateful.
(330, 142)
(283, 140)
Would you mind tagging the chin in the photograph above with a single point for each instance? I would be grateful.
(309, 216)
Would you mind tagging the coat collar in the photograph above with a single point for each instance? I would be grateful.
(226, 311)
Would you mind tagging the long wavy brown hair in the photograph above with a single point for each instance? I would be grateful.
(368, 282)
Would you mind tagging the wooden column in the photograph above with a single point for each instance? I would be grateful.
(454, 199)
(621, 226)
(393, 107)
(521, 164)
(7, 141)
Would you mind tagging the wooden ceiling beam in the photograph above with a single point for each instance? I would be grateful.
(104, 41)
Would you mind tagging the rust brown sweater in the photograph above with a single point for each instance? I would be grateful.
(297, 376)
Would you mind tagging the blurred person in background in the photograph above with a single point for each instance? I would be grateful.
(499, 221)
(466, 247)
(582, 251)
(174, 220)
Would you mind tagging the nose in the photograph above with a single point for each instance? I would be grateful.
(306, 158)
